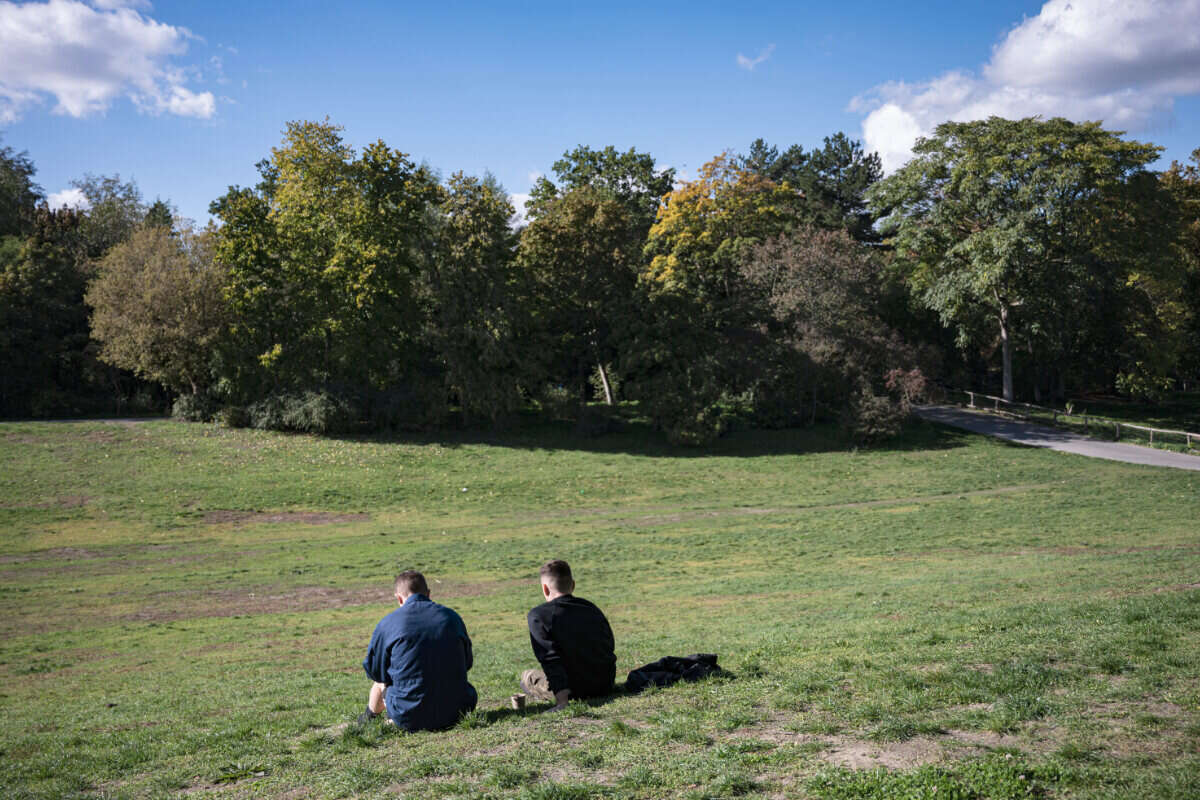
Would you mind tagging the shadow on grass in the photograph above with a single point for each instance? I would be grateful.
(636, 436)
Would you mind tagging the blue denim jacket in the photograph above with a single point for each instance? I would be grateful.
(422, 652)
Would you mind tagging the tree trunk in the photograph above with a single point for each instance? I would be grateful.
(1006, 350)
(608, 398)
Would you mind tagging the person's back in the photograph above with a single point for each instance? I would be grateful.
(419, 657)
(572, 641)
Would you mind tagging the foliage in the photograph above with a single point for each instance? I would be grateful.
(115, 210)
(194, 407)
(631, 178)
(580, 257)
(475, 318)
(303, 412)
(18, 193)
(1025, 227)
(833, 180)
(158, 307)
(323, 258)
(819, 294)
(43, 322)
(697, 342)
(1182, 303)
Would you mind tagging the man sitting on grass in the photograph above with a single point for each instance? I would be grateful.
(418, 657)
(572, 641)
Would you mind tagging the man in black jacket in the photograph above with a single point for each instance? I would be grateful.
(572, 641)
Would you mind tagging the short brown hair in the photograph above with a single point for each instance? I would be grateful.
(557, 573)
(411, 582)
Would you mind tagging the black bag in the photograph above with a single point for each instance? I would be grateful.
(672, 669)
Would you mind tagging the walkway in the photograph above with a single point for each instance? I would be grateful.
(1041, 436)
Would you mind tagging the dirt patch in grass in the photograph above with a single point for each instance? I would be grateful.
(856, 754)
(170, 607)
(1178, 587)
(242, 518)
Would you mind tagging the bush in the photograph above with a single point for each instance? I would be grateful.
(193, 408)
(234, 417)
(870, 418)
(307, 412)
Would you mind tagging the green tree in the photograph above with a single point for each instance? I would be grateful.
(1004, 219)
(1182, 181)
(833, 180)
(158, 307)
(43, 322)
(18, 193)
(698, 342)
(474, 305)
(323, 259)
(631, 178)
(115, 210)
(581, 254)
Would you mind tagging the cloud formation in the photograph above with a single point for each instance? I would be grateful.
(86, 56)
(751, 63)
(71, 198)
(1112, 60)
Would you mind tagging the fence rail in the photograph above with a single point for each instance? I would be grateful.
(1088, 420)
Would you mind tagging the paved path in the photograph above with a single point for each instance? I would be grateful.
(1041, 436)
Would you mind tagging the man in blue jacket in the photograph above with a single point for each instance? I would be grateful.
(418, 658)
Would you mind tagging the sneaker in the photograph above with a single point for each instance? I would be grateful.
(366, 717)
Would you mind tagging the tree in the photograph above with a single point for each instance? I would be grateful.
(323, 258)
(1003, 219)
(708, 227)
(581, 254)
(115, 209)
(158, 308)
(698, 339)
(819, 291)
(473, 302)
(630, 178)
(18, 193)
(833, 180)
(43, 322)
(1182, 181)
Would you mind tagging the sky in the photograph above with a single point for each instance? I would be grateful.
(185, 97)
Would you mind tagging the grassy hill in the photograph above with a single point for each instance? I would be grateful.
(184, 609)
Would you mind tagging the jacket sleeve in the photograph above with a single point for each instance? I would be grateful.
(468, 652)
(378, 657)
(547, 652)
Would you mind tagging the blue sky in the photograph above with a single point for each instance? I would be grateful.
(185, 97)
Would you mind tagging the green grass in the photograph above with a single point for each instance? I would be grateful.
(946, 616)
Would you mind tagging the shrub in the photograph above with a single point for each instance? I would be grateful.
(307, 412)
(193, 408)
(234, 417)
(869, 417)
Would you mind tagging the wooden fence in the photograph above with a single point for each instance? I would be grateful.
(1068, 418)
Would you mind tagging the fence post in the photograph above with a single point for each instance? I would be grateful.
(1152, 436)
(1118, 430)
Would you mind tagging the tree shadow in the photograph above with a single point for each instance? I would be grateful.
(639, 438)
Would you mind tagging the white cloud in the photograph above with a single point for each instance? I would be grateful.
(88, 56)
(1112, 60)
(534, 176)
(518, 201)
(71, 198)
(751, 63)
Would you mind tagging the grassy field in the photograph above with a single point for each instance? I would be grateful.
(185, 608)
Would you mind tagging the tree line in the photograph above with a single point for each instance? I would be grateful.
(353, 290)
